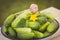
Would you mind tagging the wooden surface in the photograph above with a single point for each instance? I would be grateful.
(56, 13)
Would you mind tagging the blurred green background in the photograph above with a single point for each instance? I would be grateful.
(8, 7)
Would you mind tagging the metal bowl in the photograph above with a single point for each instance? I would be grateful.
(33, 38)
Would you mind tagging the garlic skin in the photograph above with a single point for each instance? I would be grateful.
(34, 8)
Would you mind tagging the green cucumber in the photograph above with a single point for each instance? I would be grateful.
(23, 30)
(33, 25)
(25, 35)
(11, 32)
(52, 27)
(9, 19)
(44, 26)
(38, 34)
(46, 34)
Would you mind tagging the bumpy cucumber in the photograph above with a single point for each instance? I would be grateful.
(46, 34)
(25, 35)
(23, 30)
(9, 19)
(18, 22)
(44, 26)
(38, 34)
(52, 27)
(33, 25)
(5, 29)
(42, 20)
(11, 32)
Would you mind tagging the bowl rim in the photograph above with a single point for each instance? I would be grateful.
(33, 38)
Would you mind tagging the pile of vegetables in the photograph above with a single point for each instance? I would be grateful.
(28, 24)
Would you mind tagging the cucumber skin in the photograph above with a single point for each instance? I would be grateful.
(33, 25)
(23, 30)
(38, 34)
(9, 20)
(25, 35)
(46, 33)
(44, 26)
(51, 27)
(11, 32)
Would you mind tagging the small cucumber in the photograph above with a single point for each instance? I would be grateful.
(46, 34)
(18, 22)
(9, 19)
(42, 20)
(44, 26)
(5, 29)
(52, 27)
(38, 34)
(11, 32)
(23, 30)
(33, 25)
(25, 35)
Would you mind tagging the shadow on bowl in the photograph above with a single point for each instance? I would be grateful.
(15, 38)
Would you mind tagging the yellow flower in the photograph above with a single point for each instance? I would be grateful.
(34, 17)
